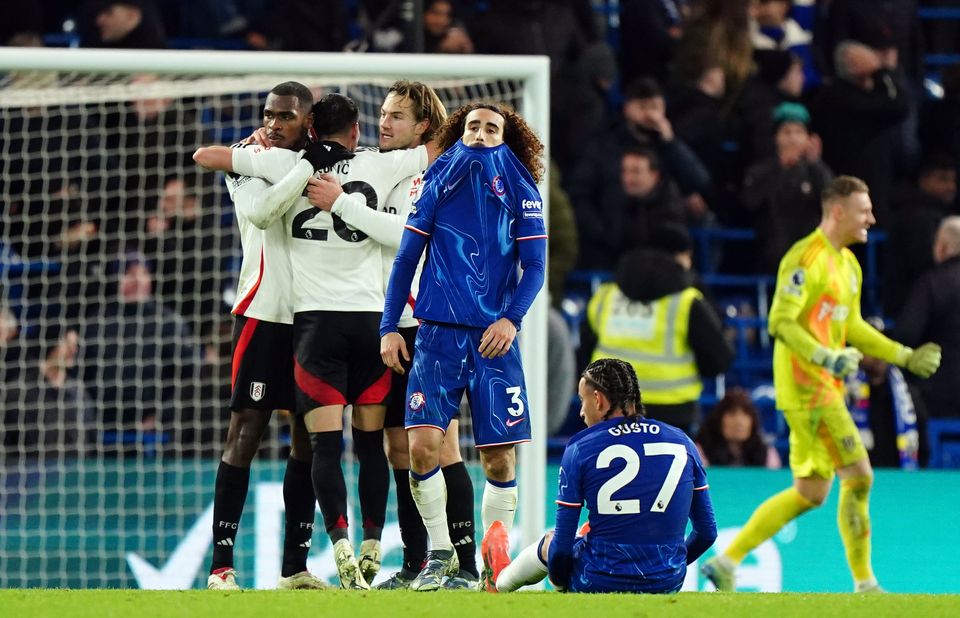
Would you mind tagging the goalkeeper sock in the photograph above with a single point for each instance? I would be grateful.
(300, 504)
(412, 533)
(229, 495)
(766, 521)
(527, 569)
(499, 503)
(328, 483)
(460, 515)
(430, 493)
(853, 519)
(373, 480)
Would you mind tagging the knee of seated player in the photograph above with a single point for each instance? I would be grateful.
(499, 462)
(545, 546)
(243, 436)
(398, 449)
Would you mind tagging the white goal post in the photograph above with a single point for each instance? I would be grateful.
(23, 86)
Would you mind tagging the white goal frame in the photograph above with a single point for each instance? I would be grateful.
(534, 71)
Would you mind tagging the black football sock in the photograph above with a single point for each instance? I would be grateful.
(328, 483)
(460, 515)
(300, 505)
(373, 481)
(229, 495)
(412, 533)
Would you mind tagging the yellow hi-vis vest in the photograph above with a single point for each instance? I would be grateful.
(650, 336)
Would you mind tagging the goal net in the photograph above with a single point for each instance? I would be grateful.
(118, 265)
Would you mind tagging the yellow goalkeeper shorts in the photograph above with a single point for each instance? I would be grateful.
(822, 440)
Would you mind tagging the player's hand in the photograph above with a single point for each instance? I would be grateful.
(840, 363)
(497, 339)
(323, 191)
(924, 361)
(259, 137)
(392, 347)
(322, 156)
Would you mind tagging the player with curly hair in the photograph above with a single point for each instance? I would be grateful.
(481, 214)
(641, 481)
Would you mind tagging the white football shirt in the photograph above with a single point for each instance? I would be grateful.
(335, 266)
(386, 227)
(265, 286)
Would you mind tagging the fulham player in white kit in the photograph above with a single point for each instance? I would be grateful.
(338, 299)
(410, 115)
(262, 372)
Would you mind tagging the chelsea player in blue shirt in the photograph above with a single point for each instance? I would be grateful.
(641, 480)
(479, 216)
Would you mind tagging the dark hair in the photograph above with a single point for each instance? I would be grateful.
(653, 159)
(618, 381)
(425, 102)
(295, 89)
(935, 163)
(710, 436)
(842, 187)
(642, 88)
(333, 114)
(517, 134)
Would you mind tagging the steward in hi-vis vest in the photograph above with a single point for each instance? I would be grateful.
(653, 318)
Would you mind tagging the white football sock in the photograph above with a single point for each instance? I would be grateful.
(525, 570)
(498, 503)
(430, 494)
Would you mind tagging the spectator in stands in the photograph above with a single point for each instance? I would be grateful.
(730, 435)
(650, 32)
(932, 313)
(779, 78)
(650, 201)
(184, 240)
(652, 317)
(24, 26)
(917, 212)
(125, 24)
(596, 178)
(138, 359)
(782, 193)
(716, 33)
(858, 115)
(150, 139)
(696, 111)
(893, 27)
(771, 27)
(442, 33)
(43, 411)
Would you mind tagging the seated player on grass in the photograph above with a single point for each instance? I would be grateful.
(641, 480)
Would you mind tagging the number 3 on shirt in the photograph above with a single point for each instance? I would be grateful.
(606, 505)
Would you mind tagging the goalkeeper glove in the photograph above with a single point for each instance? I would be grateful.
(840, 363)
(924, 361)
(324, 155)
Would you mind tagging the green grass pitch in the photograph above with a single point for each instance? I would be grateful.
(404, 604)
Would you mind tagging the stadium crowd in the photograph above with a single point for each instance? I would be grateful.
(692, 118)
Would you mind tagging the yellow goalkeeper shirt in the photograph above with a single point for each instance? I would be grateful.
(817, 304)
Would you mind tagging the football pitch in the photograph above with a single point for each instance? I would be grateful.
(404, 604)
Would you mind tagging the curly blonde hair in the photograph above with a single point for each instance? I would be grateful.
(517, 134)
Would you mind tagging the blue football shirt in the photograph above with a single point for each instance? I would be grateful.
(637, 479)
(480, 214)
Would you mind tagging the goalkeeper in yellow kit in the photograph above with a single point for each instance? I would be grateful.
(815, 318)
